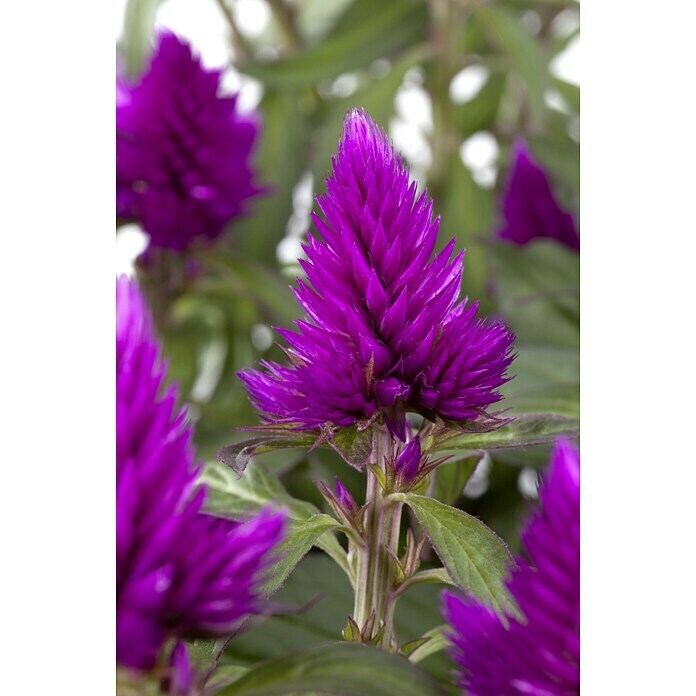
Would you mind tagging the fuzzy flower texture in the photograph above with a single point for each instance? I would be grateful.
(179, 572)
(530, 208)
(385, 332)
(542, 655)
(183, 152)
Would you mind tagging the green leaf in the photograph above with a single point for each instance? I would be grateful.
(354, 446)
(570, 93)
(138, 25)
(525, 54)
(475, 557)
(451, 477)
(302, 536)
(281, 161)
(343, 669)
(538, 288)
(233, 497)
(436, 640)
(523, 431)
(547, 380)
(468, 216)
(317, 577)
(367, 31)
(238, 455)
(480, 112)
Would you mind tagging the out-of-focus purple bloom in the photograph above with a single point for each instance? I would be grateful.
(408, 461)
(529, 207)
(179, 572)
(541, 656)
(385, 331)
(183, 152)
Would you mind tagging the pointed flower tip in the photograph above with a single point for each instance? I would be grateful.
(408, 462)
(344, 497)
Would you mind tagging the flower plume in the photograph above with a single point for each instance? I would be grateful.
(183, 152)
(384, 332)
(179, 572)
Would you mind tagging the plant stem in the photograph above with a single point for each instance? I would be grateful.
(374, 576)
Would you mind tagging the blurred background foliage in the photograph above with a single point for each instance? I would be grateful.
(454, 82)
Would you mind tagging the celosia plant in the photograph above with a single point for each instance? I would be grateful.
(417, 388)
(183, 150)
(385, 334)
(180, 573)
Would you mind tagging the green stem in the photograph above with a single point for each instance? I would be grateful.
(286, 20)
(243, 48)
(374, 572)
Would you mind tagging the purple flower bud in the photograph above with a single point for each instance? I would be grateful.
(541, 656)
(408, 461)
(385, 332)
(183, 152)
(529, 207)
(181, 675)
(345, 499)
(178, 571)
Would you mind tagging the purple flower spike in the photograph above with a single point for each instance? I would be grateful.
(408, 461)
(530, 208)
(183, 152)
(541, 656)
(179, 572)
(384, 332)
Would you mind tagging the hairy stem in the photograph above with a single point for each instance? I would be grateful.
(374, 576)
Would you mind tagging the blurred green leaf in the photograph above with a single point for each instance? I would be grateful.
(523, 431)
(376, 97)
(138, 26)
(467, 214)
(343, 669)
(569, 92)
(233, 497)
(525, 54)
(281, 160)
(354, 445)
(367, 31)
(547, 380)
(316, 576)
(302, 536)
(436, 640)
(480, 112)
(451, 477)
(475, 557)
(538, 288)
